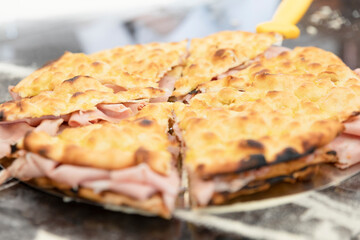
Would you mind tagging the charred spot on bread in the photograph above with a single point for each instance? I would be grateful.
(77, 94)
(254, 144)
(253, 161)
(286, 155)
(13, 148)
(219, 53)
(146, 122)
(142, 155)
(43, 151)
(71, 80)
(331, 152)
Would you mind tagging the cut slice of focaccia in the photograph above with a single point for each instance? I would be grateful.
(233, 132)
(318, 69)
(75, 102)
(277, 117)
(319, 79)
(217, 53)
(128, 163)
(122, 68)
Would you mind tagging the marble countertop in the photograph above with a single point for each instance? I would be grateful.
(333, 213)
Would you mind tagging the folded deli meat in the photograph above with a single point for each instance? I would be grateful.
(234, 114)
(130, 162)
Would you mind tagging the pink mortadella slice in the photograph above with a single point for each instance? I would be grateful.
(347, 145)
(12, 132)
(168, 84)
(139, 182)
(113, 113)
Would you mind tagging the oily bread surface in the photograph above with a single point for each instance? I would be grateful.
(311, 61)
(78, 93)
(128, 67)
(140, 139)
(276, 114)
(219, 52)
(220, 140)
(314, 76)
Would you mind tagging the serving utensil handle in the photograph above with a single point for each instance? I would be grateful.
(286, 16)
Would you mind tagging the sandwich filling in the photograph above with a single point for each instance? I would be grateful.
(139, 182)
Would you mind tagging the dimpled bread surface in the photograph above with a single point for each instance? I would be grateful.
(140, 139)
(128, 67)
(217, 53)
(316, 78)
(79, 93)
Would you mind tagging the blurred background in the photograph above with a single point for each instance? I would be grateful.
(37, 31)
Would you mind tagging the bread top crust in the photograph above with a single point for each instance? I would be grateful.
(315, 77)
(219, 52)
(140, 139)
(275, 110)
(281, 108)
(128, 67)
(231, 131)
(79, 93)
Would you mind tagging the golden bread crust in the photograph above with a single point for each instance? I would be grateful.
(110, 146)
(286, 107)
(217, 53)
(129, 67)
(220, 140)
(79, 93)
(313, 62)
(312, 75)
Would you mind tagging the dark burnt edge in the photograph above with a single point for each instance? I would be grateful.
(254, 144)
(331, 152)
(256, 161)
(13, 148)
(290, 154)
(73, 79)
(281, 178)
